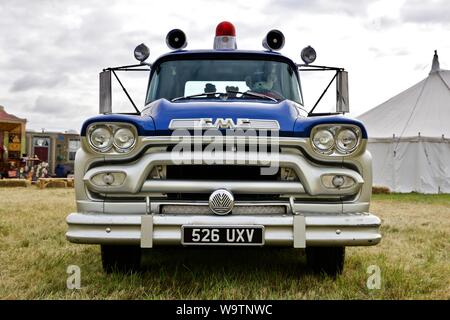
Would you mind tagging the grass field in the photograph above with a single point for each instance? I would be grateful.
(34, 255)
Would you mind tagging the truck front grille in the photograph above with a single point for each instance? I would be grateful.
(220, 173)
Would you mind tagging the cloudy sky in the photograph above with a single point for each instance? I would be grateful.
(51, 51)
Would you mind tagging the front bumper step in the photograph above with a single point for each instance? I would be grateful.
(351, 229)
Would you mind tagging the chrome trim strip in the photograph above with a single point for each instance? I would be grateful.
(205, 139)
(135, 207)
(143, 142)
(207, 186)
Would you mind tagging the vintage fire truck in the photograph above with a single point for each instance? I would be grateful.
(224, 153)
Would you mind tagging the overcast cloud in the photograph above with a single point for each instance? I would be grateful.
(52, 51)
(434, 12)
(348, 7)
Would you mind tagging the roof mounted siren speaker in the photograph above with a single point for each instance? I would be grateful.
(274, 40)
(176, 39)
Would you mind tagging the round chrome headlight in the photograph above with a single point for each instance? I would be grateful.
(101, 138)
(323, 140)
(346, 140)
(124, 139)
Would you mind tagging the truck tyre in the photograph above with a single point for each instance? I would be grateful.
(328, 260)
(120, 258)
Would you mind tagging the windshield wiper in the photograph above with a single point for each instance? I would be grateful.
(198, 95)
(226, 95)
(253, 94)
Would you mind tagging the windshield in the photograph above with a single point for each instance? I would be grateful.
(185, 78)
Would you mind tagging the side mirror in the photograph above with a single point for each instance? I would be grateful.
(342, 97)
(105, 92)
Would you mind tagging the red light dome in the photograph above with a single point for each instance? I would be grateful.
(225, 28)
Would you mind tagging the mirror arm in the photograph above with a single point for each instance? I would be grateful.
(131, 67)
(323, 93)
(126, 92)
(312, 67)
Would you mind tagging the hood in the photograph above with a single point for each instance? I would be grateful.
(163, 111)
(155, 119)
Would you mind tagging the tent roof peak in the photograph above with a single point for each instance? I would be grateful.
(435, 64)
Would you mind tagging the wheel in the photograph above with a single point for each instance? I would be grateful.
(123, 258)
(328, 260)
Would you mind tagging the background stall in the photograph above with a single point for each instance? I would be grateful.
(55, 148)
(12, 143)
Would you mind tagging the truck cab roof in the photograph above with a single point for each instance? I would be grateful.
(224, 54)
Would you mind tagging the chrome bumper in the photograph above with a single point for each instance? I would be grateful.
(351, 229)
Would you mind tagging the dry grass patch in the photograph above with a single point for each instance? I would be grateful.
(14, 183)
(34, 255)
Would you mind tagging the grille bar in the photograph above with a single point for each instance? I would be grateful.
(207, 186)
(237, 210)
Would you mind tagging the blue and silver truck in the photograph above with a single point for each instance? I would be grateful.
(223, 153)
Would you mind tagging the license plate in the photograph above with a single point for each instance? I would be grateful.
(222, 235)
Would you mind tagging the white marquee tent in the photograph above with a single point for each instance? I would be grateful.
(409, 136)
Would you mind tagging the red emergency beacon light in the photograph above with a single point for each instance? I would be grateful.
(225, 28)
(225, 36)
